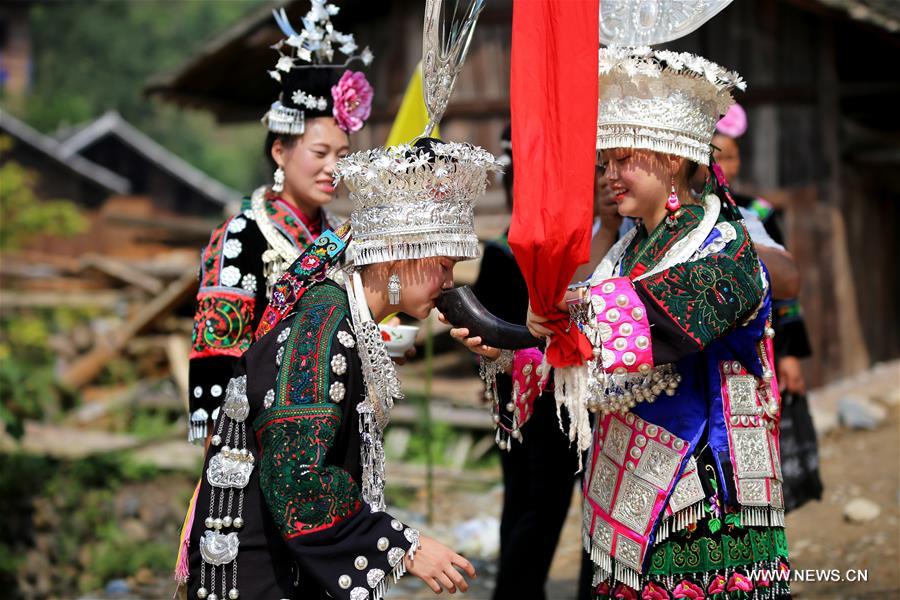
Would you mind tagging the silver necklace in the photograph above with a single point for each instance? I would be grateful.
(382, 390)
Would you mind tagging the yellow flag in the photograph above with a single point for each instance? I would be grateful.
(412, 117)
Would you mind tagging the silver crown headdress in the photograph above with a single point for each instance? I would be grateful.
(418, 201)
(308, 77)
(661, 100)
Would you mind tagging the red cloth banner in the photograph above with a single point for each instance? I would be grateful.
(553, 98)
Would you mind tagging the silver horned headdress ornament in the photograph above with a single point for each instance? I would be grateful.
(417, 201)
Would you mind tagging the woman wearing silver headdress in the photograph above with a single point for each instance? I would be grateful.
(320, 105)
(683, 485)
(291, 504)
(294, 477)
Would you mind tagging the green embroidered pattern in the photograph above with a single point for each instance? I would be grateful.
(708, 297)
(222, 324)
(305, 374)
(303, 493)
(742, 547)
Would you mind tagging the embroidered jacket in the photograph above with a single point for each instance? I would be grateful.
(231, 299)
(706, 319)
(306, 528)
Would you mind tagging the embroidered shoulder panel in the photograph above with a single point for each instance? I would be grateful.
(223, 324)
(310, 267)
(305, 374)
(303, 493)
(708, 297)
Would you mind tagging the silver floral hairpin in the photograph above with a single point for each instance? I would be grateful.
(315, 43)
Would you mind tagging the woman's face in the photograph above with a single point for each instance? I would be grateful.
(727, 155)
(309, 163)
(640, 180)
(422, 280)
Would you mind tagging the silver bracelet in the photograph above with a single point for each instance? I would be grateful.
(488, 369)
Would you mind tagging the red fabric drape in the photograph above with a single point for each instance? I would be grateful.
(553, 96)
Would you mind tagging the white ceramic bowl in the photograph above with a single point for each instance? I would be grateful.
(398, 338)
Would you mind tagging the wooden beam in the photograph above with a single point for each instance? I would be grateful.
(178, 351)
(90, 365)
(11, 300)
(122, 272)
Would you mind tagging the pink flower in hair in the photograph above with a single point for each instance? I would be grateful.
(352, 97)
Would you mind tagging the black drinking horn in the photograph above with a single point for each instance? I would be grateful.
(462, 309)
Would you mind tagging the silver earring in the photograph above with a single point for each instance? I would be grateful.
(393, 288)
(278, 181)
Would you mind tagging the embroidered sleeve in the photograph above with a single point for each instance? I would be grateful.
(306, 471)
(223, 321)
(694, 303)
(529, 379)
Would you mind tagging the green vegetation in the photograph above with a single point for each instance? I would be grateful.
(23, 216)
(92, 56)
(28, 389)
(62, 510)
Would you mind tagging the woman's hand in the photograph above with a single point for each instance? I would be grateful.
(790, 375)
(536, 325)
(436, 565)
(474, 344)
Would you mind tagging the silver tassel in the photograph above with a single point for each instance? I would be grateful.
(198, 425)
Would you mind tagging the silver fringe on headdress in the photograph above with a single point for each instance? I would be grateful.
(662, 101)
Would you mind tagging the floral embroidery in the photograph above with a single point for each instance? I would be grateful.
(653, 591)
(222, 325)
(623, 592)
(688, 589)
(305, 376)
(288, 290)
(310, 262)
(739, 583)
(716, 586)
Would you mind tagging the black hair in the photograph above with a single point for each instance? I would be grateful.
(691, 169)
(287, 141)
